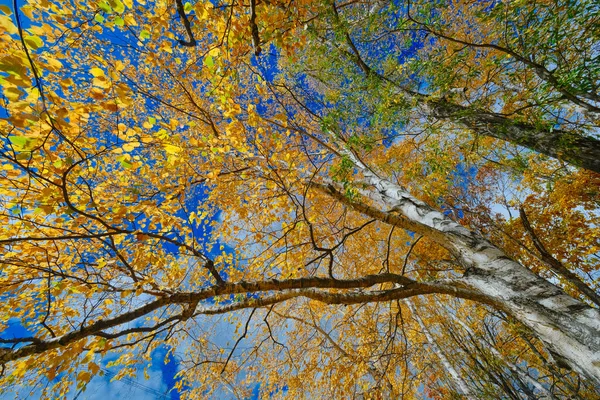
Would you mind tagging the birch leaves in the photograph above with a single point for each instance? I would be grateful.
(154, 191)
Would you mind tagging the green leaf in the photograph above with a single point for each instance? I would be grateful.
(119, 7)
(209, 62)
(34, 42)
(144, 34)
(23, 156)
(104, 6)
(19, 141)
(119, 21)
(187, 7)
(99, 18)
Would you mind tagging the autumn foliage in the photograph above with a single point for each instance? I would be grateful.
(333, 181)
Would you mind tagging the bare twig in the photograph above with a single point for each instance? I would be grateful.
(239, 339)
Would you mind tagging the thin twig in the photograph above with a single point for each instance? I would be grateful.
(239, 339)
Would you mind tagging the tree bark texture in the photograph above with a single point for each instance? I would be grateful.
(567, 326)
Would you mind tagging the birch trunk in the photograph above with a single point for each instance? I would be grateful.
(573, 148)
(462, 386)
(567, 326)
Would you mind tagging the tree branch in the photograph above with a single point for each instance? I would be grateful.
(254, 28)
(555, 265)
(186, 23)
(291, 288)
(239, 339)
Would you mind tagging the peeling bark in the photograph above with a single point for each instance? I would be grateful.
(567, 326)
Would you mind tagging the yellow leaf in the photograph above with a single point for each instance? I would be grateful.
(12, 93)
(54, 63)
(119, 66)
(101, 82)
(28, 11)
(170, 149)
(97, 72)
(84, 376)
(66, 83)
(130, 20)
(130, 146)
(7, 24)
(33, 41)
(93, 368)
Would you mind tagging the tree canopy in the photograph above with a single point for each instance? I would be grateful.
(385, 198)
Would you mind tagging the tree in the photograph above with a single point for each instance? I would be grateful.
(157, 176)
(475, 85)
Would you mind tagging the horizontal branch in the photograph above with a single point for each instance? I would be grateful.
(290, 288)
(62, 237)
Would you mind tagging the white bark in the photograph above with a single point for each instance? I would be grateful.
(567, 326)
(461, 385)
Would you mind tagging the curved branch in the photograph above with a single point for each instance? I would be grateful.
(300, 287)
(555, 265)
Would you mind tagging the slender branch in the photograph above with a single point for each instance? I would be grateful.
(63, 237)
(239, 339)
(412, 246)
(555, 265)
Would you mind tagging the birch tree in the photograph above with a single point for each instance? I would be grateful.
(170, 167)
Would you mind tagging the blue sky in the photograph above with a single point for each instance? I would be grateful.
(162, 376)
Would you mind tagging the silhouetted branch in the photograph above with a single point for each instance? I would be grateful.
(186, 23)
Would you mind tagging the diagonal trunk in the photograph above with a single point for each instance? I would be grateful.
(567, 326)
(579, 150)
(571, 147)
